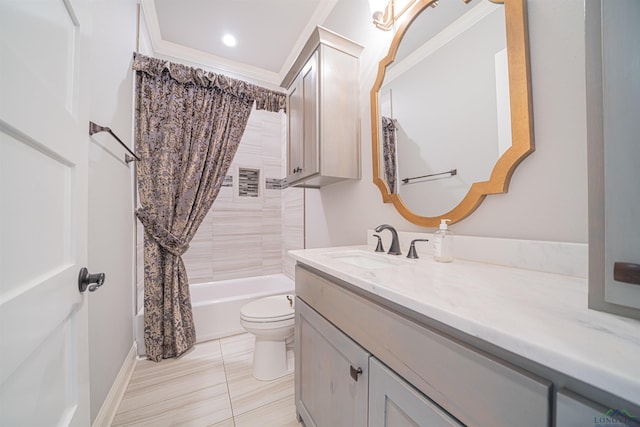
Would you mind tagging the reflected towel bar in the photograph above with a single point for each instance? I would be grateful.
(94, 128)
(452, 172)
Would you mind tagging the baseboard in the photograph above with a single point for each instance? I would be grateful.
(110, 406)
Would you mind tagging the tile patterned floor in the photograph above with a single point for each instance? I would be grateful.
(209, 386)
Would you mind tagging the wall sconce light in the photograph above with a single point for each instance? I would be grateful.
(385, 13)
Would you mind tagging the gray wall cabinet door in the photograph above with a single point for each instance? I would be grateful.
(303, 132)
(621, 62)
(331, 373)
(613, 108)
(395, 403)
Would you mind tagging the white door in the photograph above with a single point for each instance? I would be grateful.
(43, 212)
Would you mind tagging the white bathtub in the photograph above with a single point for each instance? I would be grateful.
(216, 305)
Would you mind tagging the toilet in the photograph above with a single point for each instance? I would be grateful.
(271, 321)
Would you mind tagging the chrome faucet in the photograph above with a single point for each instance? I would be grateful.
(395, 243)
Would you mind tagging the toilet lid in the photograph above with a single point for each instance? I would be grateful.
(269, 309)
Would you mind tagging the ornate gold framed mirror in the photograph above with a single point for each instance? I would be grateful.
(451, 109)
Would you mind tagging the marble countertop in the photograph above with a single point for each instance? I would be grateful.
(540, 316)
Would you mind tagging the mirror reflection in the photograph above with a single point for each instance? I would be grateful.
(443, 110)
(446, 105)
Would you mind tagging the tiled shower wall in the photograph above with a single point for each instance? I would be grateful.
(244, 236)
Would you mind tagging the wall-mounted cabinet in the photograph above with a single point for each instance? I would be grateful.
(323, 111)
(613, 106)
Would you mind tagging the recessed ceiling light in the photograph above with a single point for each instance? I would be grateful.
(229, 40)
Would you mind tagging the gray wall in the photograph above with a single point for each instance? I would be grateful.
(111, 232)
(547, 198)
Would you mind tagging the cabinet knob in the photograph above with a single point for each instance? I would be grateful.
(355, 372)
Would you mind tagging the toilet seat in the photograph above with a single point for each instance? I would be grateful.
(275, 308)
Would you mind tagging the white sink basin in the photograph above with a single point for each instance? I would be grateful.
(365, 260)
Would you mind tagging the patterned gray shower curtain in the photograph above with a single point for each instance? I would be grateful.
(389, 153)
(188, 126)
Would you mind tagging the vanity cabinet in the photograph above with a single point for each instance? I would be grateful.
(393, 402)
(323, 112)
(432, 370)
(575, 411)
(424, 373)
(338, 383)
(331, 373)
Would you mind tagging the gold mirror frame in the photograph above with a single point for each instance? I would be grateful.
(521, 116)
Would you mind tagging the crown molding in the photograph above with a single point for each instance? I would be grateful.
(225, 66)
(318, 18)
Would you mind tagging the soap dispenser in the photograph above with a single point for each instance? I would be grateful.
(443, 243)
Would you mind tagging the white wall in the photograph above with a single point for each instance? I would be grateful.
(547, 198)
(111, 232)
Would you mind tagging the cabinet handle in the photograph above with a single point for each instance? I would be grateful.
(355, 372)
(626, 272)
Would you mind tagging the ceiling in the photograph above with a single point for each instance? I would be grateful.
(269, 33)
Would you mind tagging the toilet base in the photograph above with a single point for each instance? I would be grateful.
(272, 359)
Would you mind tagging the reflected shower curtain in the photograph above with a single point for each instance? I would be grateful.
(188, 126)
(389, 152)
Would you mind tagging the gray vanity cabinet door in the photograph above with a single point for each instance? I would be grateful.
(331, 373)
(575, 411)
(395, 403)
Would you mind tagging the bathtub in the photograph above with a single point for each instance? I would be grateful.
(216, 305)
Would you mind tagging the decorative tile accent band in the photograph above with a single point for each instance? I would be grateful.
(269, 183)
(275, 183)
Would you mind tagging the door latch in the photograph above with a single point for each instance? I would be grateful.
(91, 281)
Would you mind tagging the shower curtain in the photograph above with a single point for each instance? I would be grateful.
(389, 152)
(188, 126)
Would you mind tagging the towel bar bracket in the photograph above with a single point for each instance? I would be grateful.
(94, 128)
